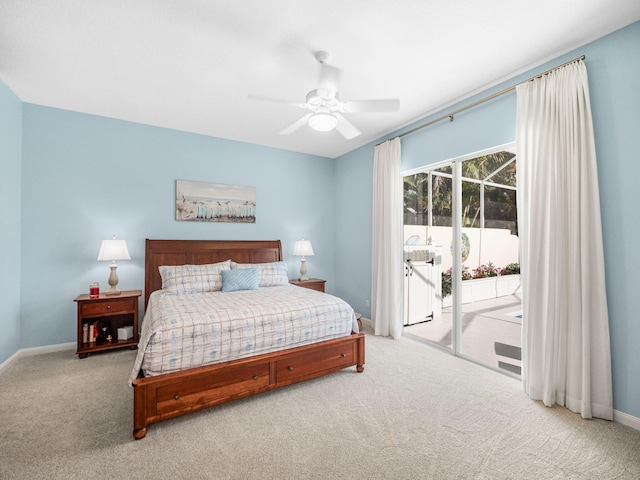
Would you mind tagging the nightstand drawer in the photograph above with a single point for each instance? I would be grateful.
(311, 284)
(97, 309)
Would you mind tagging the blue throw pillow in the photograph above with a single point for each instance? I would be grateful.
(241, 279)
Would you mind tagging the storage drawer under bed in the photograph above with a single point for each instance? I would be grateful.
(300, 366)
(212, 388)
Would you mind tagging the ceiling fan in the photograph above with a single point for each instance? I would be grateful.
(326, 107)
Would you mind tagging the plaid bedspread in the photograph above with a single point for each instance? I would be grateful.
(190, 330)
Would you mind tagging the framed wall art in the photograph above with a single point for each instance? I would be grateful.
(215, 202)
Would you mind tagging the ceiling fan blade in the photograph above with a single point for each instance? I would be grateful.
(295, 125)
(328, 83)
(346, 128)
(383, 105)
(276, 100)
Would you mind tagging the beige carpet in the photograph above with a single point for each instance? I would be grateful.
(415, 413)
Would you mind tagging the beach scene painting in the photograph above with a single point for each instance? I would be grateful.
(215, 202)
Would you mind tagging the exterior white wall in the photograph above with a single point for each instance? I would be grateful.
(487, 244)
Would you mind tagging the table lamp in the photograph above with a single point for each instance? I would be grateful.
(303, 248)
(112, 250)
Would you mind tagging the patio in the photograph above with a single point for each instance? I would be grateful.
(491, 332)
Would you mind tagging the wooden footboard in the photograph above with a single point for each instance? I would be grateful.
(173, 394)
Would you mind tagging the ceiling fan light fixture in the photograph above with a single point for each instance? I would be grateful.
(323, 122)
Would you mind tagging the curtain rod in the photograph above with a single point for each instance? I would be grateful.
(486, 99)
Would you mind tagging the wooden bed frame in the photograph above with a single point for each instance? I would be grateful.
(164, 396)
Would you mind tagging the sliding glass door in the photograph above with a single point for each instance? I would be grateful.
(427, 226)
(465, 206)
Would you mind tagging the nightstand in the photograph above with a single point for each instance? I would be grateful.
(312, 283)
(99, 319)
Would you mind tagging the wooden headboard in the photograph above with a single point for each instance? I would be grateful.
(199, 252)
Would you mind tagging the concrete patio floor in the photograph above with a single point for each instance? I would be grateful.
(491, 332)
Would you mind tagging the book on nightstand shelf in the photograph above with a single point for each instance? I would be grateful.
(93, 332)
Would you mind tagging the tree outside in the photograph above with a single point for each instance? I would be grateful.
(499, 203)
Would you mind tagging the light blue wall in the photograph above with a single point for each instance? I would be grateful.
(614, 67)
(10, 185)
(353, 223)
(86, 177)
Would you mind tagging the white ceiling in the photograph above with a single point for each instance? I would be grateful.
(191, 64)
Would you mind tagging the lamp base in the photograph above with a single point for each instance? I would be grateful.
(303, 270)
(113, 280)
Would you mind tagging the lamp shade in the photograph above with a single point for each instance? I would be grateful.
(303, 248)
(113, 249)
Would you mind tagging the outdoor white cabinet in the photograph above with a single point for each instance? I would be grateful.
(422, 284)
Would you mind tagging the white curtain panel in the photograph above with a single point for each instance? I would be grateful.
(387, 268)
(566, 351)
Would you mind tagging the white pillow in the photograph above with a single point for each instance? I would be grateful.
(269, 274)
(193, 278)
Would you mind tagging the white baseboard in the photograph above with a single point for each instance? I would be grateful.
(626, 419)
(26, 352)
(4, 365)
